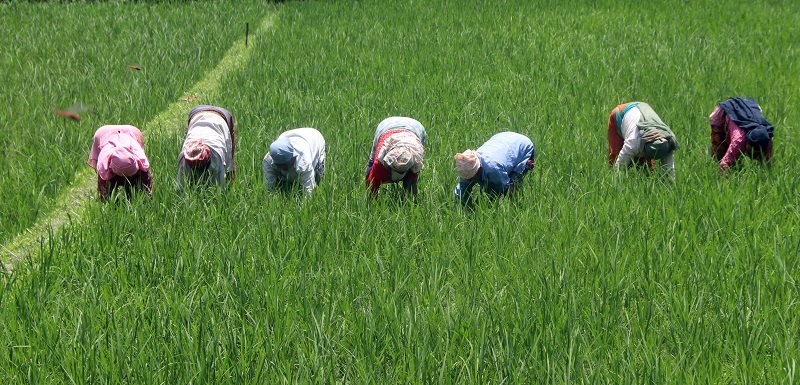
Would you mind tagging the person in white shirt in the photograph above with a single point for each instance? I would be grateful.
(296, 157)
(636, 135)
(208, 149)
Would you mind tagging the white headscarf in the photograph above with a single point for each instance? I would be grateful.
(468, 163)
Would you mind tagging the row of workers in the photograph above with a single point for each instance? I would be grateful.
(636, 136)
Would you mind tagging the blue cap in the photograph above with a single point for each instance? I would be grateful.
(281, 151)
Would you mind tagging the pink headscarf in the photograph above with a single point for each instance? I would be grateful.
(468, 163)
(104, 134)
(117, 161)
(117, 150)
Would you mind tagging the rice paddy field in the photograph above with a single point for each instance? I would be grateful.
(586, 277)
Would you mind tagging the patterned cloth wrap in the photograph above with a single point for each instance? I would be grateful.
(402, 151)
(651, 122)
(395, 123)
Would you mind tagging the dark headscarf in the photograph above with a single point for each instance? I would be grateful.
(746, 113)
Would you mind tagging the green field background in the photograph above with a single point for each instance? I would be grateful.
(586, 277)
(60, 56)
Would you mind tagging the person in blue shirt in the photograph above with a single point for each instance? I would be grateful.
(498, 166)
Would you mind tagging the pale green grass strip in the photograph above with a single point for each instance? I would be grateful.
(71, 203)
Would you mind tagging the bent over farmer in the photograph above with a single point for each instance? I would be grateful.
(209, 146)
(738, 127)
(117, 154)
(498, 166)
(396, 155)
(296, 157)
(636, 135)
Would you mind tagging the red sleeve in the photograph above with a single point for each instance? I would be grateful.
(377, 176)
(615, 142)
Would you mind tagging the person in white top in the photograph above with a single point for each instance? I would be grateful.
(296, 157)
(208, 150)
(637, 135)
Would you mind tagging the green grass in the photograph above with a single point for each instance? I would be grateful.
(56, 56)
(587, 277)
(170, 123)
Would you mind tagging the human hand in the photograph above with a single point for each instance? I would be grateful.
(653, 136)
(723, 169)
(529, 165)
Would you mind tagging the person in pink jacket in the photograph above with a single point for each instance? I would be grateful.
(118, 156)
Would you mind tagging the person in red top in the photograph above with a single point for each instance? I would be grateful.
(397, 154)
(616, 142)
(118, 156)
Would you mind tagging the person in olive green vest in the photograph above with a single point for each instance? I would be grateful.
(636, 134)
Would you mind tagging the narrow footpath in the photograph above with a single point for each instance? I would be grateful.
(71, 204)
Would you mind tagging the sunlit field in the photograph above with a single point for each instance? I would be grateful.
(585, 277)
(76, 57)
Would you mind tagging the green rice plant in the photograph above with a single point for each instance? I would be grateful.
(59, 55)
(585, 277)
